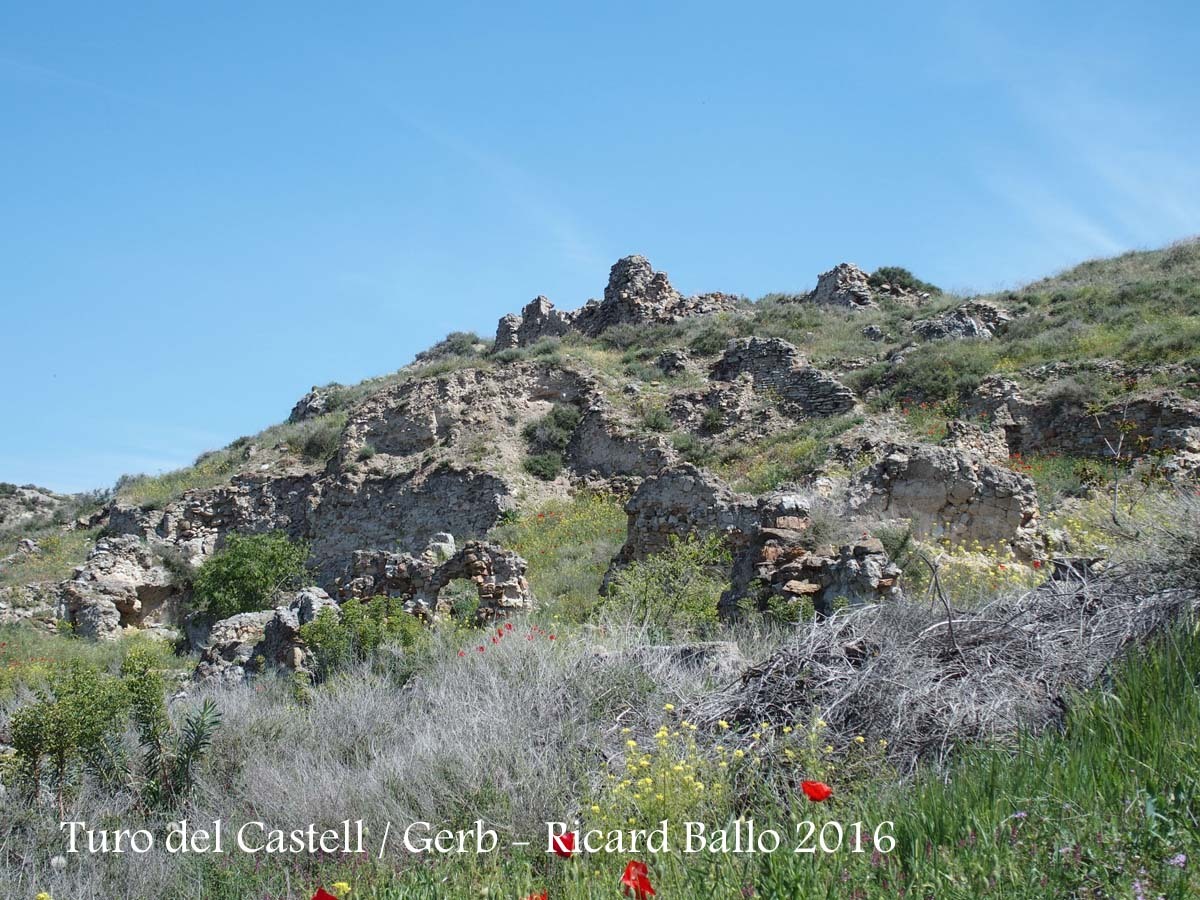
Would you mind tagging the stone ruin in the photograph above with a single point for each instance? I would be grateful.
(635, 295)
(773, 555)
(781, 371)
(497, 574)
(945, 492)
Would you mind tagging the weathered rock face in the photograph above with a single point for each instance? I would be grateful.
(315, 403)
(123, 584)
(975, 319)
(366, 511)
(635, 295)
(949, 493)
(465, 414)
(198, 522)
(843, 285)
(778, 368)
(602, 447)
(1155, 420)
(678, 502)
(988, 443)
(498, 576)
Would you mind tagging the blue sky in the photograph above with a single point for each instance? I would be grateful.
(208, 209)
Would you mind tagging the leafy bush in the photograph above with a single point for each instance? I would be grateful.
(65, 726)
(673, 593)
(244, 576)
(902, 278)
(456, 343)
(944, 370)
(545, 466)
(337, 638)
(548, 438)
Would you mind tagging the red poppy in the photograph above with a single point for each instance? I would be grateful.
(542, 896)
(508, 626)
(481, 648)
(636, 881)
(551, 637)
(816, 791)
(1037, 563)
(462, 652)
(323, 894)
(563, 844)
(500, 632)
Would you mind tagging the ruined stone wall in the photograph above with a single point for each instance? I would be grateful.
(779, 369)
(1155, 420)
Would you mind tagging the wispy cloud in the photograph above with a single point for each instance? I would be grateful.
(1115, 170)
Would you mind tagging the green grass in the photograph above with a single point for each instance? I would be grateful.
(568, 545)
(60, 553)
(787, 456)
(28, 656)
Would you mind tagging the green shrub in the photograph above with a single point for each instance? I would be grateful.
(67, 726)
(545, 466)
(244, 576)
(672, 594)
(548, 438)
(337, 638)
(902, 278)
(656, 419)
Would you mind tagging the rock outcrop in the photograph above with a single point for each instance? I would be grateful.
(948, 493)
(1152, 420)
(635, 295)
(976, 319)
(315, 403)
(123, 584)
(251, 642)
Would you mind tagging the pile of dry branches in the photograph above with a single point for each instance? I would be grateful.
(928, 676)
